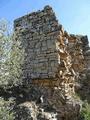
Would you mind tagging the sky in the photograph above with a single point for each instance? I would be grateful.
(74, 15)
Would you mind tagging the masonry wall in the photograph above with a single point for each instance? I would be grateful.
(53, 58)
(39, 31)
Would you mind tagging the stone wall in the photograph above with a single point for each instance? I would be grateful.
(53, 60)
(39, 32)
(52, 56)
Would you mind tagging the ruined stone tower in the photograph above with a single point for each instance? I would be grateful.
(53, 58)
(50, 51)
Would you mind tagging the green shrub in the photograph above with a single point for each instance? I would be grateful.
(6, 110)
(85, 112)
(11, 57)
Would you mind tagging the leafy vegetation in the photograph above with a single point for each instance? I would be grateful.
(85, 112)
(6, 110)
(11, 57)
(11, 60)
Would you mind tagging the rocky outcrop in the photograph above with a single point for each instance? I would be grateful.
(30, 111)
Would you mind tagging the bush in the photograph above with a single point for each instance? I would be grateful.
(85, 112)
(11, 57)
(6, 110)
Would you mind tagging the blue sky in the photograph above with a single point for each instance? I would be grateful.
(74, 15)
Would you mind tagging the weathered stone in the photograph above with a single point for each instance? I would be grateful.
(54, 61)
